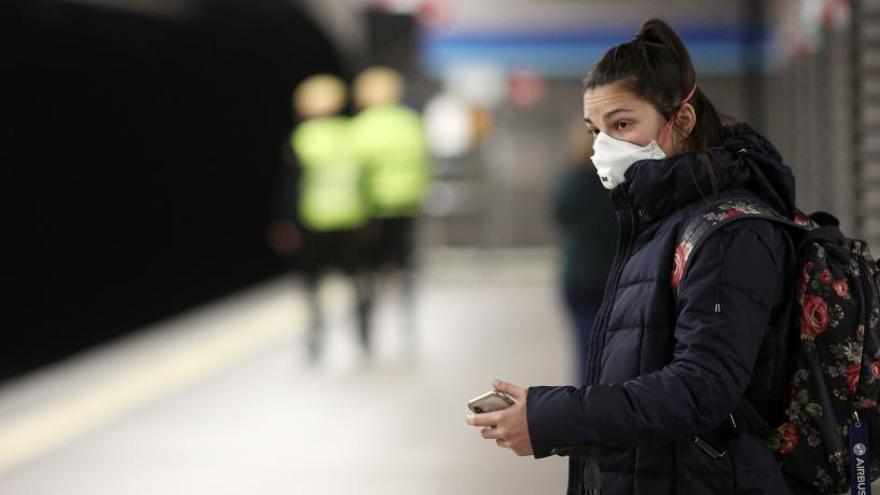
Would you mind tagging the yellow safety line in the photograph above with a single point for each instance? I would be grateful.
(59, 422)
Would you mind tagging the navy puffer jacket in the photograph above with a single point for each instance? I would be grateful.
(665, 367)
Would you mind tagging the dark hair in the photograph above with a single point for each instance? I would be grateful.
(656, 66)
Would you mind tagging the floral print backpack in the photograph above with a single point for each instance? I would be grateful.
(831, 422)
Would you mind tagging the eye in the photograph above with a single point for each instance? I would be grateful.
(593, 131)
(622, 125)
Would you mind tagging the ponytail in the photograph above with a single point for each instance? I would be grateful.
(656, 66)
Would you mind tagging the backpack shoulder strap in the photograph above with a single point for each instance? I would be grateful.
(720, 213)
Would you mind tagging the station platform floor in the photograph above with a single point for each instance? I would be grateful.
(221, 400)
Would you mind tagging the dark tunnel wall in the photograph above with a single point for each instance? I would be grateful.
(140, 157)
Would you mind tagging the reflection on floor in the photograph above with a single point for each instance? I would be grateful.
(220, 400)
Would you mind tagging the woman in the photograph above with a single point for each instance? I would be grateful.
(671, 369)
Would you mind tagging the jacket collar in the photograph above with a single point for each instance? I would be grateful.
(746, 162)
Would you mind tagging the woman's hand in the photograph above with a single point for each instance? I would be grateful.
(508, 427)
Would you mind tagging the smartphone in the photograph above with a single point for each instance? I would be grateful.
(489, 402)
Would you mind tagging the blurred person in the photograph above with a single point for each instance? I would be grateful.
(391, 142)
(585, 216)
(674, 364)
(324, 214)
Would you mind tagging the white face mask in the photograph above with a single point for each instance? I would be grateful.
(613, 157)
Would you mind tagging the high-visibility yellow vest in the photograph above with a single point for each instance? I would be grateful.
(390, 140)
(330, 195)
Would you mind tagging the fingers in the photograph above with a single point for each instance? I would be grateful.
(490, 433)
(487, 419)
(508, 426)
(509, 389)
(503, 443)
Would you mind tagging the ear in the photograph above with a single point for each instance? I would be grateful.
(686, 120)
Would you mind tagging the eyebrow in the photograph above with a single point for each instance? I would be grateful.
(609, 114)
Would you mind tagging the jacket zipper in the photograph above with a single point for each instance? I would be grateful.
(627, 232)
(627, 227)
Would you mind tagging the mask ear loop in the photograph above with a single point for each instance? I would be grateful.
(668, 127)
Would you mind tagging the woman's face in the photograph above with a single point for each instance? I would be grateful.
(619, 113)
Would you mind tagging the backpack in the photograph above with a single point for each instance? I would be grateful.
(831, 415)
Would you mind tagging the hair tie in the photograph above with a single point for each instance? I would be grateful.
(690, 95)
